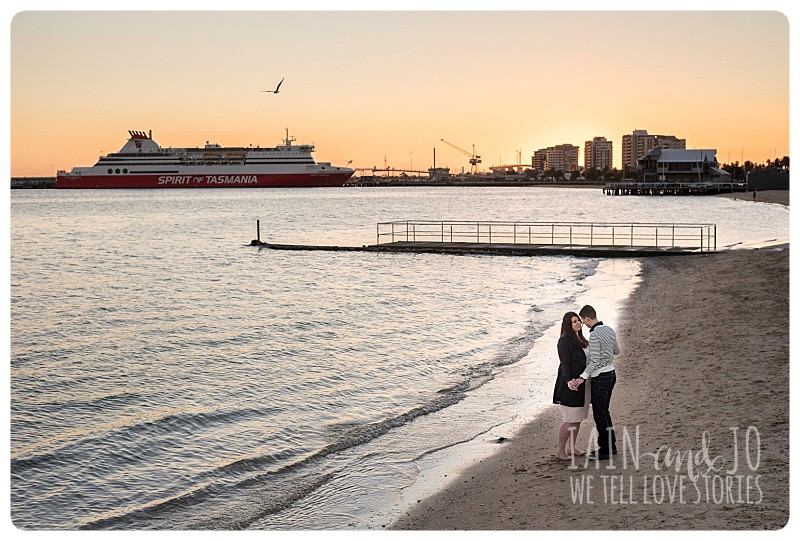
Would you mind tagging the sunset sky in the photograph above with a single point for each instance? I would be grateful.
(367, 85)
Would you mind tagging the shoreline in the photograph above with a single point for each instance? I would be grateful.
(523, 486)
(531, 379)
(779, 197)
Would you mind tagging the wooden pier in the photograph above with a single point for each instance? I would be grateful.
(580, 239)
(673, 188)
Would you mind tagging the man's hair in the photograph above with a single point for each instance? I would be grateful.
(588, 311)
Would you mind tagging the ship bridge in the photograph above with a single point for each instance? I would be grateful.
(287, 144)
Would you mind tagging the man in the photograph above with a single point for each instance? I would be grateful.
(602, 347)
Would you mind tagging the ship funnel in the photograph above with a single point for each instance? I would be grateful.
(141, 134)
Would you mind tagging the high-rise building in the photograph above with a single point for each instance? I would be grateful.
(563, 157)
(637, 144)
(539, 160)
(598, 154)
(560, 157)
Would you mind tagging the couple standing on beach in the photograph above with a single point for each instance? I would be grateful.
(585, 375)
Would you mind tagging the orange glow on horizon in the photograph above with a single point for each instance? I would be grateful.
(364, 85)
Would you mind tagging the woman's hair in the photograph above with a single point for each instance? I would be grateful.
(566, 329)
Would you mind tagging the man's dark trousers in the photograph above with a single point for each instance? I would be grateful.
(602, 386)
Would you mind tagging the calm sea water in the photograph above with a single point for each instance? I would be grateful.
(166, 375)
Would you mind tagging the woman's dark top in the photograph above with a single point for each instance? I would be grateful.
(573, 363)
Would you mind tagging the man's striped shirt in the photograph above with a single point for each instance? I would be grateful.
(602, 347)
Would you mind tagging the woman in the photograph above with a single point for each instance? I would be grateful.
(574, 404)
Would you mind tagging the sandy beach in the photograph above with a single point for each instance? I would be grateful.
(705, 347)
(780, 197)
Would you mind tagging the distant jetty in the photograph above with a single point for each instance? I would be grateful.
(466, 180)
(673, 188)
(29, 183)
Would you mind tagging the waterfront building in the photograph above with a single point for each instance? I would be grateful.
(560, 157)
(637, 144)
(563, 157)
(681, 165)
(539, 160)
(437, 174)
(597, 154)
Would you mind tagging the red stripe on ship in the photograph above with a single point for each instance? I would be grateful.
(201, 181)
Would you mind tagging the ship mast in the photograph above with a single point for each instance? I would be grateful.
(288, 140)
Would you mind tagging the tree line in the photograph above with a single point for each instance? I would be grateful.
(736, 170)
(739, 171)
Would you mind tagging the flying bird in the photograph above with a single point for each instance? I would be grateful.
(277, 88)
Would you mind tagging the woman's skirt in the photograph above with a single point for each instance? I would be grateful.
(576, 415)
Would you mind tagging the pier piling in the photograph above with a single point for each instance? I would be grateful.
(257, 240)
(631, 187)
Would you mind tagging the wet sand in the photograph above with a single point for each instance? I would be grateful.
(780, 197)
(705, 347)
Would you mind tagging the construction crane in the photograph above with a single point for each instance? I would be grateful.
(474, 159)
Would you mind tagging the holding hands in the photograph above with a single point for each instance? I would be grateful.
(574, 384)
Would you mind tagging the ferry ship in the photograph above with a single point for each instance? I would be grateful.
(142, 163)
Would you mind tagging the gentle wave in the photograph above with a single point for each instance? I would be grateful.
(346, 437)
(172, 424)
